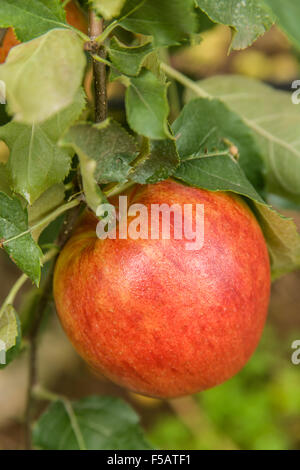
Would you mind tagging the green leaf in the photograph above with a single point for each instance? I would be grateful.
(249, 19)
(108, 144)
(44, 205)
(157, 163)
(4, 179)
(287, 13)
(88, 165)
(93, 194)
(204, 23)
(275, 122)
(56, 6)
(282, 238)
(128, 60)
(43, 76)
(206, 127)
(217, 173)
(10, 335)
(109, 8)
(22, 249)
(168, 22)
(32, 18)
(36, 162)
(147, 106)
(92, 423)
(8, 327)
(202, 167)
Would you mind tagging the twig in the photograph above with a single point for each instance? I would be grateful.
(99, 68)
(46, 294)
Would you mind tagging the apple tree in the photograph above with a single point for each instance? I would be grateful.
(66, 153)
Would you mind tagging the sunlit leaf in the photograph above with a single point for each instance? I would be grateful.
(43, 76)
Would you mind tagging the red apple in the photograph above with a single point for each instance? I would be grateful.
(157, 318)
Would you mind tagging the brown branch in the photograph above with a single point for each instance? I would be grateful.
(100, 85)
(99, 69)
(46, 295)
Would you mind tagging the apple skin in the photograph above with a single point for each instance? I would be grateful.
(156, 318)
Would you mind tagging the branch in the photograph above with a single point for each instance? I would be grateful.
(99, 68)
(46, 295)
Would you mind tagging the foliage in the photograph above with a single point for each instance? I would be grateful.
(92, 423)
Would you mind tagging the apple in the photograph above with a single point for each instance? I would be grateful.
(157, 318)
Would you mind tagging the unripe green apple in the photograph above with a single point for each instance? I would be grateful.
(158, 318)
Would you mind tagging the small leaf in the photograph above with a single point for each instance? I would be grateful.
(282, 238)
(45, 204)
(10, 335)
(108, 144)
(168, 22)
(147, 106)
(36, 162)
(32, 18)
(217, 173)
(128, 60)
(248, 18)
(109, 8)
(43, 76)
(8, 327)
(92, 423)
(158, 162)
(88, 165)
(22, 250)
(93, 194)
